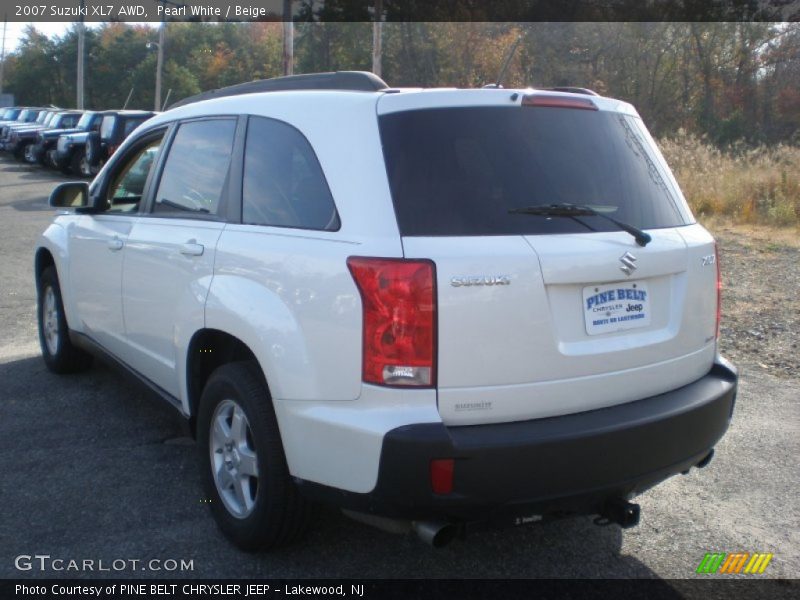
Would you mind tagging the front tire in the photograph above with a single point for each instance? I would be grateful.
(84, 168)
(59, 354)
(253, 499)
(75, 163)
(19, 151)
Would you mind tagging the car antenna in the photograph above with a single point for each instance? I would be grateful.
(507, 62)
(128, 99)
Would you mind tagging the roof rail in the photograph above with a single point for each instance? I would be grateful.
(357, 81)
(574, 90)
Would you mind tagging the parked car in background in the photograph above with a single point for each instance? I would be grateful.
(113, 131)
(41, 120)
(10, 115)
(27, 116)
(45, 150)
(70, 150)
(21, 141)
(71, 153)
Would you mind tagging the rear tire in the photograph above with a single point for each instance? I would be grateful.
(59, 354)
(244, 471)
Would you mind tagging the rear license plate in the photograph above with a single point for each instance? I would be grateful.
(616, 307)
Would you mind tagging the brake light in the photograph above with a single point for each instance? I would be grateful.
(719, 289)
(558, 102)
(442, 475)
(399, 320)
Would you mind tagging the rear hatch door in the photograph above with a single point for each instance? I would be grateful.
(539, 315)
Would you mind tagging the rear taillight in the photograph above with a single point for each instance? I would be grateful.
(442, 475)
(719, 288)
(399, 310)
(558, 102)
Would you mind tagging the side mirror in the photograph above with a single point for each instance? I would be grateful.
(72, 194)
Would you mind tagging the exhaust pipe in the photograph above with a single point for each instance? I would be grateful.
(704, 463)
(619, 511)
(435, 533)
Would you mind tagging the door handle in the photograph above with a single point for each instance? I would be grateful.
(192, 248)
(115, 244)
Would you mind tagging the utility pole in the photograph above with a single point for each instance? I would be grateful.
(162, 31)
(81, 42)
(377, 38)
(3, 51)
(288, 38)
(159, 63)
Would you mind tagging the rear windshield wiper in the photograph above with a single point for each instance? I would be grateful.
(576, 210)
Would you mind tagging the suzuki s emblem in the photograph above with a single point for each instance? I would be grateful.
(628, 261)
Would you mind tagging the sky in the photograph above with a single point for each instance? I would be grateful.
(15, 31)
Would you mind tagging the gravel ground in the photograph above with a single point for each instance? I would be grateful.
(95, 468)
(761, 301)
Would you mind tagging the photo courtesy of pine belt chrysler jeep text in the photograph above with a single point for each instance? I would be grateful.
(432, 308)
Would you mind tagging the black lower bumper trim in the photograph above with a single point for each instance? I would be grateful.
(572, 463)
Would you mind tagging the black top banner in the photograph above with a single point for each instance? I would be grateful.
(400, 10)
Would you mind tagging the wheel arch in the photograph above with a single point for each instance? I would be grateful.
(52, 250)
(208, 350)
(43, 259)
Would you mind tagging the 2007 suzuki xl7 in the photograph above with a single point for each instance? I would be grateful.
(428, 307)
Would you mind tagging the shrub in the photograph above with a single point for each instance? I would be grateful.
(747, 184)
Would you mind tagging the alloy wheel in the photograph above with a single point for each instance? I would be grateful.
(234, 462)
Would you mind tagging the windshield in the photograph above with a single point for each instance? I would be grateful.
(459, 171)
(25, 116)
(86, 120)
(67, 121)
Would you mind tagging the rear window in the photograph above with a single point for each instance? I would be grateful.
(130, 125)
(458, 171)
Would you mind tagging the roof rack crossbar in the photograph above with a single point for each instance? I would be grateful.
(357, 81)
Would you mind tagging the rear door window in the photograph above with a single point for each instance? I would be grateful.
(283, 182)
(458, 171)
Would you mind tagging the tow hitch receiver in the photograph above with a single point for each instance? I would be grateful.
(623, 513)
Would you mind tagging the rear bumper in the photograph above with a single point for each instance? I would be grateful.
(572, 463)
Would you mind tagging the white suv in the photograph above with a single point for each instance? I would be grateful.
(428, 307)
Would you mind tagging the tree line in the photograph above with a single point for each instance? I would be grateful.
(729, 82)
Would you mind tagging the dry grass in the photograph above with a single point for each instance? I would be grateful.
(758, 237)
(747, 185)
